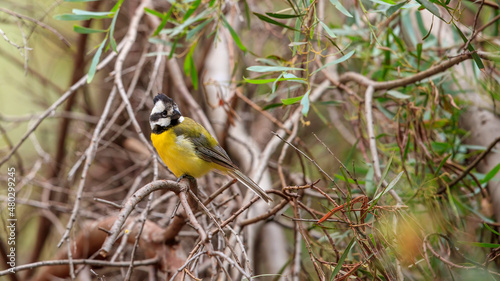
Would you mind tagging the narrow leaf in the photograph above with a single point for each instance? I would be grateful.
(394, 8)
(262, 68)
(70, 17)
(480, 244)
(190, 34)
(491, 229)
(235, 36)
(265, 81)
(112, 40)
(431, 7)
(341, 8)
(419, 55)
(271, 21)
(474, 55)
(164, 21)
(328, 30)
(398, 95)
(153, 12)
(275, 84)
(305, 103)
(290, 101)
(282, 16)
(388, 188)
(191, 9)
(338, 267)
(93, 14)
(117, 6)
(337, 61)
(86, 30)
(491, 174)
(190, 67)
(95, 61)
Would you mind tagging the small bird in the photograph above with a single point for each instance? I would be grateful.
(188, 149)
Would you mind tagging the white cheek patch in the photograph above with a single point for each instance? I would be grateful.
(163, 122)
(159, 107)
(181, 119)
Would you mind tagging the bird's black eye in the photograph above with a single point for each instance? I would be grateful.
(164, 114)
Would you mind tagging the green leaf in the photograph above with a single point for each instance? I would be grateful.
(337, 61)
(272, 105)
(95, 61)
(275, 83)
(328, 30)
(398, 95)
(93, 14)
(190, 67)
(86, 30)
(480, 244)
(70, 17)
(83, 15)
(491, 174)
(77, 1)
(346, 179)
(164, 21)
(117, 6)
(341, 8)
(419, 55)
(191, 9)
(153, 12)
(265, 81)
(195, 30)
(370, 190)
(293, 100)
(431, 7)
(441, 164)
(474, 55)
(112, 40)
(491, 229)
(394, 8)
(384, 173)
(338, 267)
(282, 16)
(235, 36)
(271, 21)
(388, 188)
(305, 103)
(263, 68)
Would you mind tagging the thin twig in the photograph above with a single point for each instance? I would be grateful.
(471, 166)
(129, 41)
(466, 46)
(31, 266)
(43, 25)
(55, 105)
(90, 153)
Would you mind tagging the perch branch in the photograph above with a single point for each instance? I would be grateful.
(129, 206)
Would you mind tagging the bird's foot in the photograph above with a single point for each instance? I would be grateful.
(186, 176)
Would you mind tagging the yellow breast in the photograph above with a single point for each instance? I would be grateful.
(178, 153)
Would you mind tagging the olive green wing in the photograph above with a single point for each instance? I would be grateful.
(205, 146)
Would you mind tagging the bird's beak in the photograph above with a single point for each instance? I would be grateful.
(176, 114)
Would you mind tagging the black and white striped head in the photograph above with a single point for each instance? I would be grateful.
(165, 114)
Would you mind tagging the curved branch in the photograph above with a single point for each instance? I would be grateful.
(360, 79)
(129, 206)
(31, 266)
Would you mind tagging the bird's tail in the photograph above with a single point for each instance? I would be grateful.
(248, 182)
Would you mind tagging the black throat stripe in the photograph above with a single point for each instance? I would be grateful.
(158, 129)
